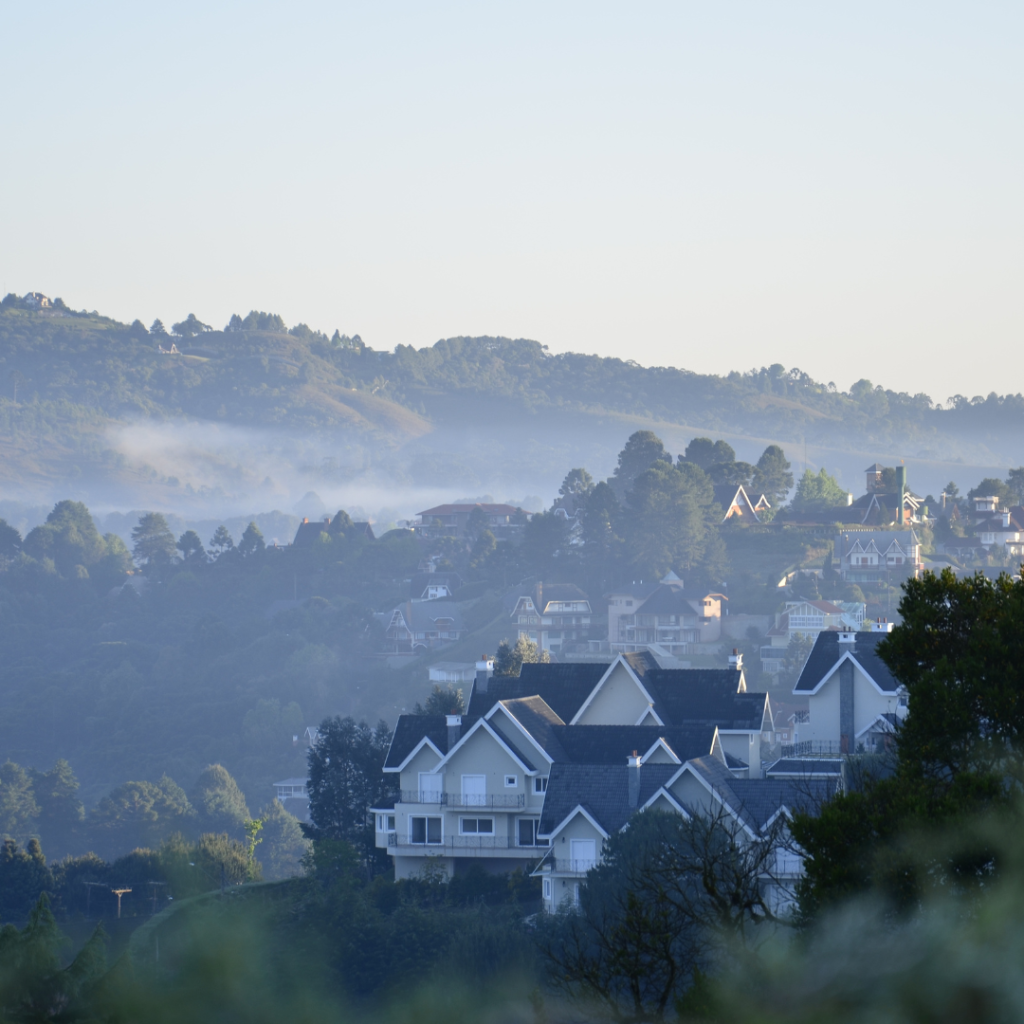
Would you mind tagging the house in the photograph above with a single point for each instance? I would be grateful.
(740, 505)
(451, 520)
(429, 586)
(472, 787)
(294, 797)
(999, 530)
(853, 700)
(586, 804)
(308, 532)
(811, 617)
(664, 617)
(36, 300)
(454, 673)
(877, 507)
(873, 556)
(420, 626)
(553, 615)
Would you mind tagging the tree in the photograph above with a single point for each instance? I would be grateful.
(482, 551)
(190, 327)
(346, 779)
(10, 540)
(69, 536)
(545, 539)
(252, 542)
(18, 808)
(602, 545)
(670, 517)
(138, 330)
(139, 814)
(284, 845)
(218, 802)
(23, 877)
(657, 908)
(191, 547)
(221, 541)
(578, 485)
(476, 523)
(511, 658)
(772, 475)
(959, 651)
(443, 700)
(60, 809)
(643, 450)
(818, 492)
(234, 324)
(736, 474)
(1014, 485)
(704, 452)
(991, 487)
(153, 543)
(158, 328)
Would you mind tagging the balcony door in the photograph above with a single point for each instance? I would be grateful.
(474, 790)
(430, 788)
(583, 854)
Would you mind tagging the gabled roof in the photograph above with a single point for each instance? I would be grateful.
(482, 725)
(563, 687)
(729, 496)
(805, 768)
(410, 733)
(828, 652)
(537, 720)
(613, 744)
(668, 600)
(602, 790)
(706, 696)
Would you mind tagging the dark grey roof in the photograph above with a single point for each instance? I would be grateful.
(537, 719)
(410, 729)
(601, 789)
(761, 798)
(612, 744)
(827, 651)
(709, 695)
(563, 687)
(671, 600)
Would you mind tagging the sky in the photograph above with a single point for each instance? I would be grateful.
(721, 186)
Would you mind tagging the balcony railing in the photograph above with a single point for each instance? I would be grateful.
(573, 866)
(812, 748)
(462, 800)
(465, 843)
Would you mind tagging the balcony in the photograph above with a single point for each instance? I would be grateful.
(460, 801)
(465, 844)
(570, 866)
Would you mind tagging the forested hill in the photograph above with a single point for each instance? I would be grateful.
(446, 415)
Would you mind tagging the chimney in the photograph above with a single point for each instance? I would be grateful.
(1006, 518)
(454, 729)
(847, 636)
(484, 671)
(849, 498)
(305, 519)
(633, 761)
(881, 626)
(901, 487)
(736, 659)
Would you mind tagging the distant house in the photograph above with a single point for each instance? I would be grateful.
(873, 556)
(552, 615)
(853, 700)
(36, 300)
(876, 507)
(308, 532)
(740, 505)
(451, 520)
(429, 586)
(665, 617)
(294, 797)
(998, 530)
(420, 626)
(453, 672)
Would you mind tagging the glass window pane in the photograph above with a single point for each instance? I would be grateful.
(486, 825)
(526, 832)
(391, 823)
(418, 830)
(433, 830)
(469, 824)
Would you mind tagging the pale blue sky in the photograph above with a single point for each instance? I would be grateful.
(714, 186)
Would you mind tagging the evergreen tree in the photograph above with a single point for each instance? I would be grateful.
(772, 475)
(60, 810)
(511, 657)
(218, 802)
(221, 541)
(191, 547)
(153, 543)
(18, 808)
(252, 542)
(643, 449)
(818, 492)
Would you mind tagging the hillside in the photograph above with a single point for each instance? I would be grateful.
(255, 415)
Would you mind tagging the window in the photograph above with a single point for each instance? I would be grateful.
(511, 781)
(477, 826)
(527, 832)
(540, 784)
(430, 788)
(547, 888)
(391, 822)
(576, 895)
(425, 831)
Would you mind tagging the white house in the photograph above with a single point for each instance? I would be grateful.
(854, 701)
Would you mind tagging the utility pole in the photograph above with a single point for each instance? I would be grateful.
(119, 893)
(154, 891)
